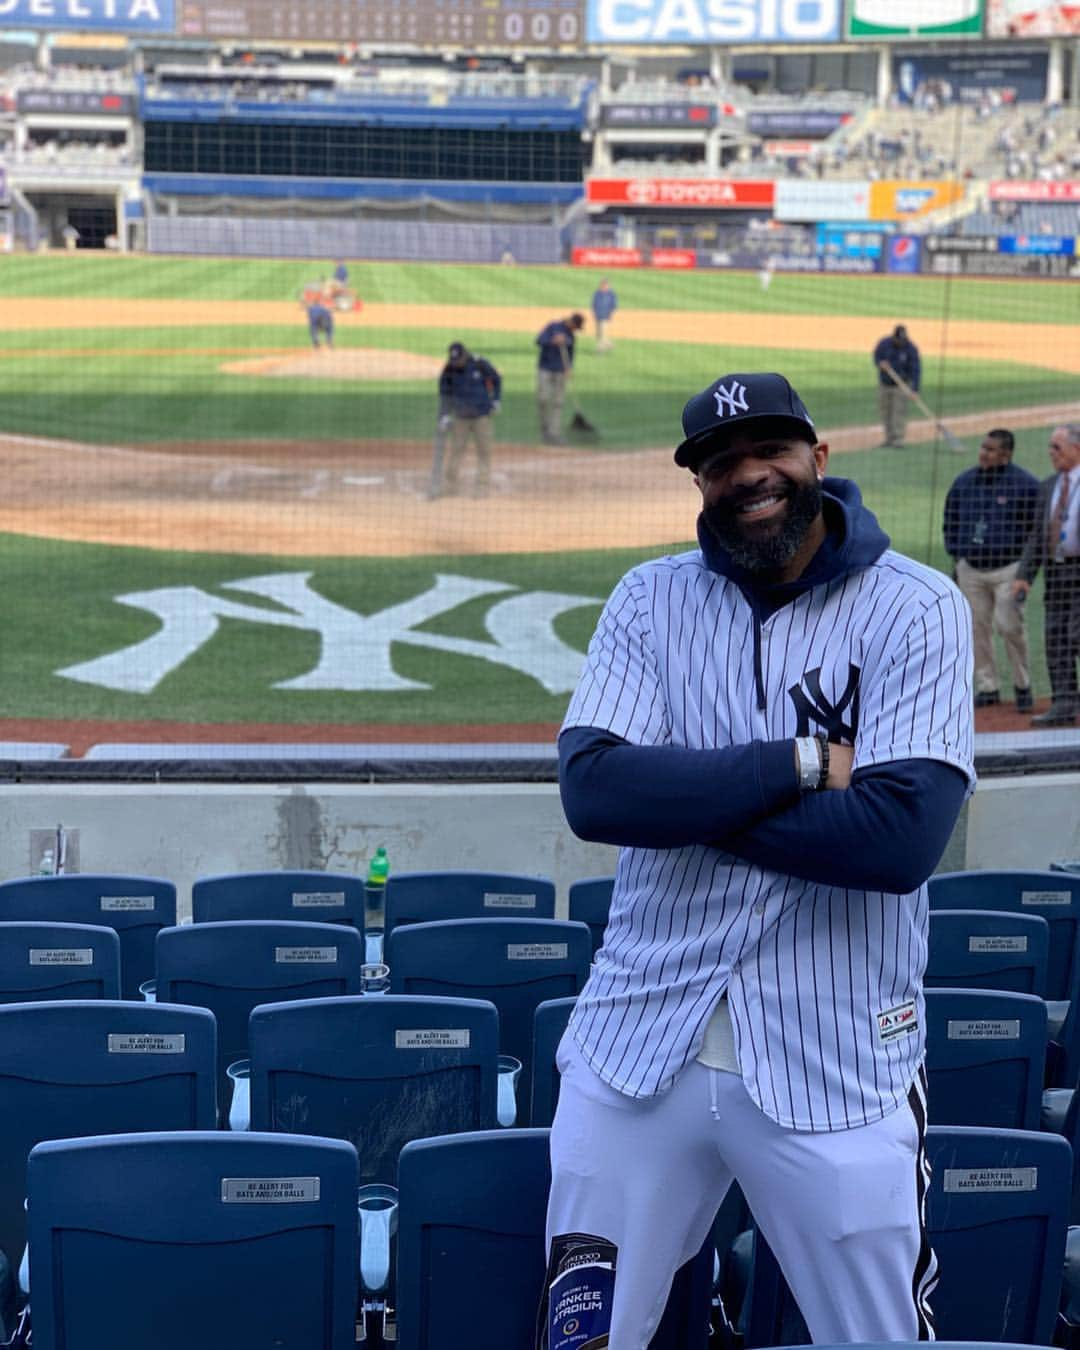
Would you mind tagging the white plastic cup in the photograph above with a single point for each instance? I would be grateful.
(506, 1104)
(377, 1208)
(375, 978)
(239, 1072)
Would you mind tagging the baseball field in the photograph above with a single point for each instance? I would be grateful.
(212, 532)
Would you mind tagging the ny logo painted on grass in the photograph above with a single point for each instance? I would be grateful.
(355, 649)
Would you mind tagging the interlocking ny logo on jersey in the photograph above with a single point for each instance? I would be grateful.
(733, 399)
(811, 704)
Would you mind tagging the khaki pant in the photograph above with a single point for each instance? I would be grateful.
(893, 403)
(462, 431)
(603, 342)
(550, 393)
(989, 593)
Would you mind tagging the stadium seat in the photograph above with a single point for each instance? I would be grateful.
(997, 1211)
(987, 949)
(549, 1023)
(424, 897)
(516, 963)
(306, 897)
(135, 906)
(376, 1071)
(199, 1239)
(590, 900)
(472, 1212)
(985, 1056)
(1055, 897)
(230, 968)
(84, 1067)
(44, 961)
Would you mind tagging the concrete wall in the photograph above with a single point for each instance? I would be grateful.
(186, 831)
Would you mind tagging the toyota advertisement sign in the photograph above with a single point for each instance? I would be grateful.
(740, 194)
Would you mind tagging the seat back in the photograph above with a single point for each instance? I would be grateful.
(302, 897)
(516, 963)
(985, 1056)
(378, 1071)
(549, 1023)
(177, 1240)
(1053, 896)
(426, 897)
(590, 901)
(85, 1067)
(471, 1214)
(45, 961)
(230, 968)
(987, 949)
(997, 1213)
(135, 907)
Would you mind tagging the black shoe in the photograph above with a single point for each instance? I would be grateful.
(986, 698)
(1055, 716)
(1024, 702)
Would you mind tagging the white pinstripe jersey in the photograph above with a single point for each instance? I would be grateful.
(824, 984)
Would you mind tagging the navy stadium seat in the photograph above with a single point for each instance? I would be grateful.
(985, 1055)
(987, 949)
(376, 1071)
(1055, 897)
(425, 897)
(590, 901)
(199, 1239)
(84, 1067)
(997, 1212)
(135, 906)
(44, 961)
(516, 963)
(230, 968)
(306, 897)
(471, 1218)
(549, 1023)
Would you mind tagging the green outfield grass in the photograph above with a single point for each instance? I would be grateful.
(561, 288)
(59, 604)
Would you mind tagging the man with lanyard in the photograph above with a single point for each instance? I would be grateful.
(989, 512)
(1054, 545)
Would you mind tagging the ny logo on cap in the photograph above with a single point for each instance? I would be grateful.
(733, 399)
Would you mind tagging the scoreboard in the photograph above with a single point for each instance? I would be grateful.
(465, 23)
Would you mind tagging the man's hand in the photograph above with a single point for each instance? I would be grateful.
(840, 761)
(444, 422)
(1021, 589)
(496, 406)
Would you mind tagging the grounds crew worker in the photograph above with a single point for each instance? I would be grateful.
(469, 393)
(898, 351)
(556, 343)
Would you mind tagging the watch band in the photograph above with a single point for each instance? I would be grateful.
(823, 747)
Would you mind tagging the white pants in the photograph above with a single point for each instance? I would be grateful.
(842, 1211)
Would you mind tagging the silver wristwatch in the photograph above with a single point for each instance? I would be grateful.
(808, 759)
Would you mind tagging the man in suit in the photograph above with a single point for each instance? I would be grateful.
(1054, 545)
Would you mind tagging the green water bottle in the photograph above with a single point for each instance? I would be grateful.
(378, 868)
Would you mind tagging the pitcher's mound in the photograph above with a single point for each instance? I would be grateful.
(346, 363)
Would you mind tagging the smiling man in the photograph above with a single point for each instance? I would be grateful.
(776, 729)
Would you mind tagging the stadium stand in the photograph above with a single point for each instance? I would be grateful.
(588, 902)
(549, 1023)
(78, 1068)
(308, 897)
(424, 897)
(981, 949)
(136, 907)
(42, 961)
(263, 1226)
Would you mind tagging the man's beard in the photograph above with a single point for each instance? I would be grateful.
(772, 548)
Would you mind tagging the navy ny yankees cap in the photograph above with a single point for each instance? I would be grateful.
(762, 405)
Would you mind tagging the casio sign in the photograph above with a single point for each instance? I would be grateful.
(692, 21)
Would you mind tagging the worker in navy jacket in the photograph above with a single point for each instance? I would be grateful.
(989, 513)
(604, 304)
(899, 353)
(469, 392)
(556, 360)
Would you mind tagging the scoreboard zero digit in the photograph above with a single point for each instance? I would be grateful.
(466, 23)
